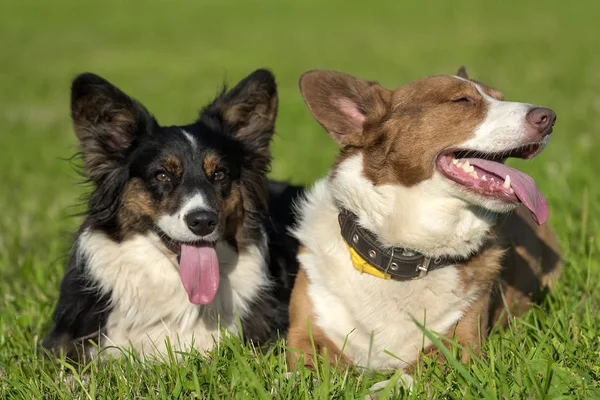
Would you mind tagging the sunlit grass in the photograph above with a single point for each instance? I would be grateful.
(173, 56)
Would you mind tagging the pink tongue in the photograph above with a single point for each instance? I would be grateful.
(523, 185)
(199, 269)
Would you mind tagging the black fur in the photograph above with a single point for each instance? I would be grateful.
(270, 311)
(119, 142)
(81, 312)
(107, 123)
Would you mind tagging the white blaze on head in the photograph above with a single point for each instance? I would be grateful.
(175, 225)
(503, 128)
(190, 139)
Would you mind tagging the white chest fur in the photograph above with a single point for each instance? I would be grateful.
(149, 302)
(369, 316)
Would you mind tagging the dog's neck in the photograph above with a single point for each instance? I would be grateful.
(423, 217)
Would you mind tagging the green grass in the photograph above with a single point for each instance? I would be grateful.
(174, 55)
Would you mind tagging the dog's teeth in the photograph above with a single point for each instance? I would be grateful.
(467, 167)
(506, 183)
(459, 164)
(454, 161)
(483, 178)
(474, 174)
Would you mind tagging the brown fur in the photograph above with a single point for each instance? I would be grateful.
(422, 119)
(299, 339)
(211, 163)
(470, 332)
(105, 121)
(412, 129)
(462, 73)
(399, 124)
(173, 166)
(480, 272)
(528, 260)
(251, 110)
(138, 208)
(507, 278)
(233, 213)
(247, 110)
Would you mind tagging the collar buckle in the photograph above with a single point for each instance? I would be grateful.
(423, 268)
(397, 263)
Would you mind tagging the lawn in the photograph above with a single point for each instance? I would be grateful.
(174, 55)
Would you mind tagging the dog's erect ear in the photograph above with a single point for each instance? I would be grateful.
(247, 114)
(248, 111)
(344, 105)
(462, 73)
(106, 121)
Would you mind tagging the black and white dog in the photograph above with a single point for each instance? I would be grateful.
(184, 234)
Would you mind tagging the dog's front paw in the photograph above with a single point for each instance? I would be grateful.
(405, 382)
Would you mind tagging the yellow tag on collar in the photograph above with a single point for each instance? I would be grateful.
(363, 266)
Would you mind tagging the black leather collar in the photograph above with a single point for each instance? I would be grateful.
(399, 263)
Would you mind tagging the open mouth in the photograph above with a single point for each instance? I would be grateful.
(486, 175)
(198, 267)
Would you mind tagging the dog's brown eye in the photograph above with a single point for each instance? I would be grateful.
(219, 175)
(163, 177)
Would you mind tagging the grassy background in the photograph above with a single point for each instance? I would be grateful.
(174, 55)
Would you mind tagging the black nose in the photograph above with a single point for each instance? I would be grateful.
(202, 223)
(542, 119)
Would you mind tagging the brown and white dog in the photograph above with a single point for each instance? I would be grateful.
(414, 219)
